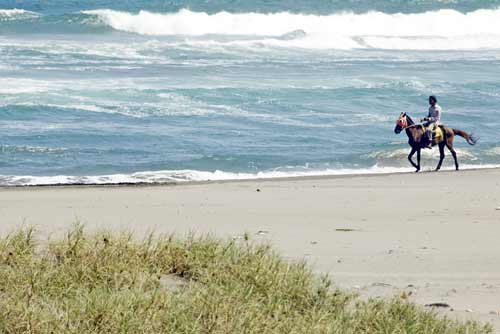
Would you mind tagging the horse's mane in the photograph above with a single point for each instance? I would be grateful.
(409, 120)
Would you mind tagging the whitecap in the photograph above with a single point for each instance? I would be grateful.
(16, 14)
(442, 29)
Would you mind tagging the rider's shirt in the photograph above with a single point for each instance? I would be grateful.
(434, 114)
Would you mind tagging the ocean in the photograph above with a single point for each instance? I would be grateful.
(103, 91)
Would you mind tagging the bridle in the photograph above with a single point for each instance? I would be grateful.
(402, 122)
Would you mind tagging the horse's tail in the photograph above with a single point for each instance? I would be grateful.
(470, 138)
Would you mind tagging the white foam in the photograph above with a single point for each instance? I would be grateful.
(180, 176)
(10, 85)
(494, 151)
(442, 29)
(402, 153)
(15, 14)
(31, 149)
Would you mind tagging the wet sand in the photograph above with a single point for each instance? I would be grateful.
(434, 236)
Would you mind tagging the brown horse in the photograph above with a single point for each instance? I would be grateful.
(418, 140)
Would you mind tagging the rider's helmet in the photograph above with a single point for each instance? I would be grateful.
(432, 99)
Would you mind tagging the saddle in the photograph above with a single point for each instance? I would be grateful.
(437, 133)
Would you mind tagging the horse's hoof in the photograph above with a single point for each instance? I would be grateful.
(418, 170)
(436, 170)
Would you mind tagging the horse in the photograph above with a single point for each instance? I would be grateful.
(418, 140)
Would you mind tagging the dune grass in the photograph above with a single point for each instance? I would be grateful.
(112, 283)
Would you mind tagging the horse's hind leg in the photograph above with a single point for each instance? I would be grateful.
(418, 159)
(441, 156)
(411, 160)
(453, 153)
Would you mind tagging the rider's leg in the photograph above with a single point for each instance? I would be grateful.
(428, 133)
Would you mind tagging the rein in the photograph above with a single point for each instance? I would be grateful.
(413, 126)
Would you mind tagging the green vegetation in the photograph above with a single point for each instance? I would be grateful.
(111, 283)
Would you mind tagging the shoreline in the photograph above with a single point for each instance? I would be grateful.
(243, 180)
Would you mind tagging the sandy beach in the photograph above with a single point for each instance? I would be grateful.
(433, 236)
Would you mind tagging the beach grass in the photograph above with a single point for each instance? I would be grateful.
(110, 282)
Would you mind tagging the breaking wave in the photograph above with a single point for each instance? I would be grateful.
(16, 14)
(182, 176)
(443, 29)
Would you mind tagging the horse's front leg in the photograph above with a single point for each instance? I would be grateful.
(413, 150)
(418, 160)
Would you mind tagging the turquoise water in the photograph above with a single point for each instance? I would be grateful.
(158, 91)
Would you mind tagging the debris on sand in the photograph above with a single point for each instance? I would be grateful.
(445, 305)
(405, 295)
(345, 229)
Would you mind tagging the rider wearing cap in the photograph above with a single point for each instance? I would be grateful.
(432, 120)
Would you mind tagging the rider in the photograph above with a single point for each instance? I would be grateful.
(432, 120)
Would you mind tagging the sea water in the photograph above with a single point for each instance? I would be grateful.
(103, 91)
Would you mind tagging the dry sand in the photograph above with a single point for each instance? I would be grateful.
(434, 235)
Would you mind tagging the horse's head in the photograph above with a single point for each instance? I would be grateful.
(401, 123)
